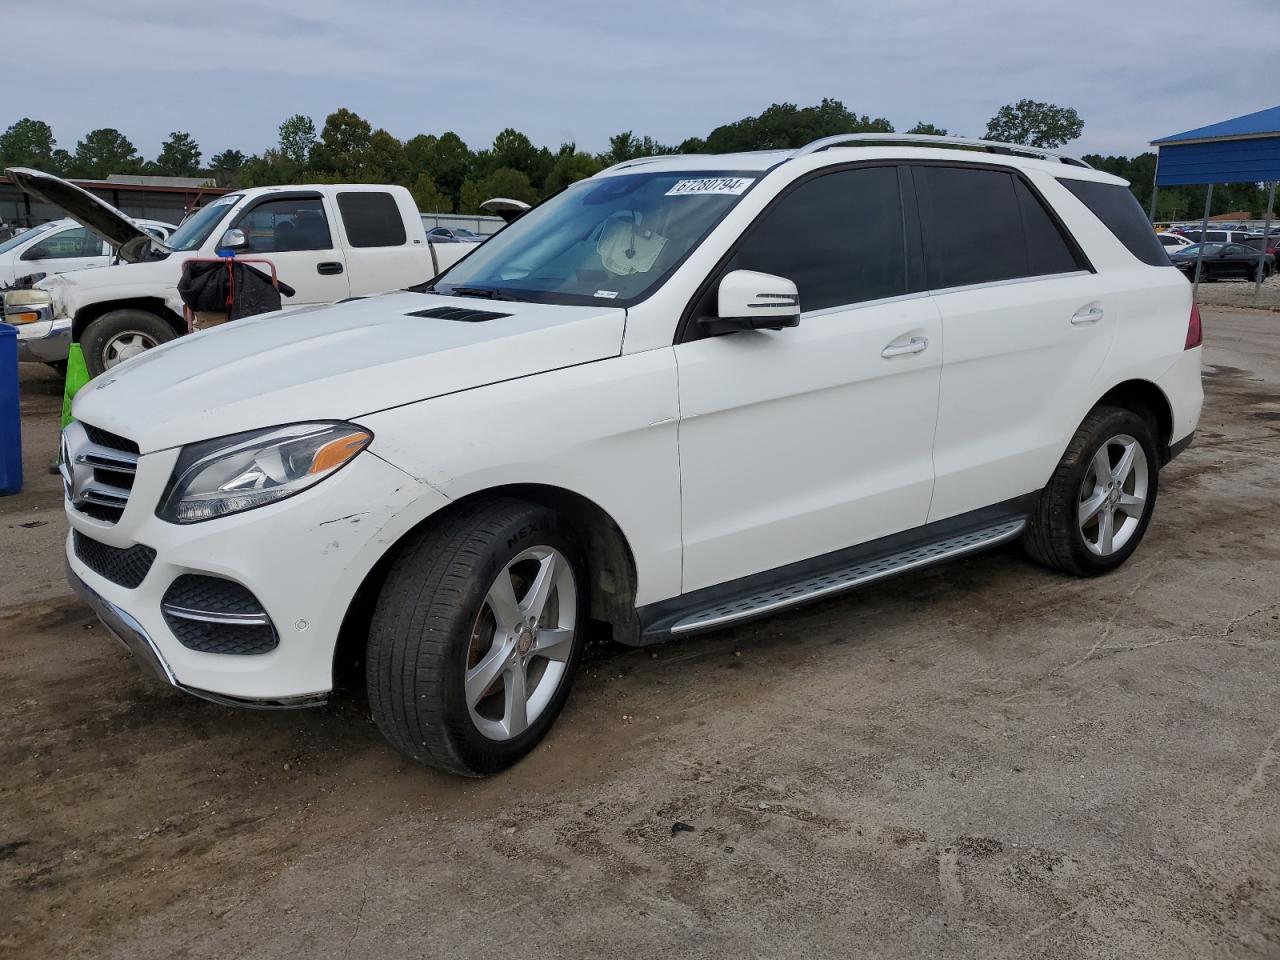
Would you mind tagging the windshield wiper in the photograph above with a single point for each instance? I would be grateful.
(488, 293)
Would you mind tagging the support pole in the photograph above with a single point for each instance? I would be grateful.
(1266, 230)
(1204, 232)
(1155, 188)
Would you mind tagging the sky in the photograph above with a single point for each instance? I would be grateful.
(572, 70)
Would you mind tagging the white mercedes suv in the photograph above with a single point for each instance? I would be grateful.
(688, 391)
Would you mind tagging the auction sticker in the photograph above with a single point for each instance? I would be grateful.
(722, 185)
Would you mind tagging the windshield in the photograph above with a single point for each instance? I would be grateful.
(613, 239)
(24, 236)
(195, 230)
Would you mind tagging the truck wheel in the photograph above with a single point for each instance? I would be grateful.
(475, 636)
(116, 336)
(1096, 507)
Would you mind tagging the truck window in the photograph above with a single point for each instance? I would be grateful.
(288, 224)
(839, 237)
(372, 219)
(67, 244)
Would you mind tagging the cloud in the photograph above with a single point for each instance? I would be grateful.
(584, 70)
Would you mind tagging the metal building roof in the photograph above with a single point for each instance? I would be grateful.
(1264, 123)
(1240, 150)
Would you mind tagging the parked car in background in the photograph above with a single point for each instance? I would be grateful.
(327, 242)
(61, 246)
(453, 235)
(1268, 245)
(1217, 236)
(1173, 241)
(1223, 261)
(681, 394)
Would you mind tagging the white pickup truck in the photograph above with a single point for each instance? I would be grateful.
(328, 242)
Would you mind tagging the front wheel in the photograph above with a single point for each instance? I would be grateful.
(116, 336)
(1096, 508)
(475, 636)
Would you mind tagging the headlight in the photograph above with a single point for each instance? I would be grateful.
(27, 306)
(246, 470)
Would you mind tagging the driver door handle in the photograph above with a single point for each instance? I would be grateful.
(329, 268)
(1090, 314)
(914, 345)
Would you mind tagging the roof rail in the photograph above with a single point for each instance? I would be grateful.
(637, 161)
(991, 146)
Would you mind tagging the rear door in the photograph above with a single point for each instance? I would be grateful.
(294, 230)
(799, 442)
(1026, 325)
(386, 248)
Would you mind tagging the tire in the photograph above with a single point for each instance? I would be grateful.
(1057, 537)
(435, 628)
(116, 335)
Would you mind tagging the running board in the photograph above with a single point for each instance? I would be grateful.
(838, 581)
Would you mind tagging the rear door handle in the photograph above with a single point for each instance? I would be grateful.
(914, 345)
(1090, 314)
(329, 268)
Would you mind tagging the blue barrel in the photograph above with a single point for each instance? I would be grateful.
(10, 414)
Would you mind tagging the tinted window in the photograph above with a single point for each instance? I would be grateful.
(973, 226)
(839, 237)
(1118, 209)
(65, 245)
(292, 223)
(1048, 251)
(371, 219)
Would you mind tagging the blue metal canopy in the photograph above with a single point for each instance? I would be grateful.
(1240, 150)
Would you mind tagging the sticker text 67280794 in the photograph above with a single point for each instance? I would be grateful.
(729, 185)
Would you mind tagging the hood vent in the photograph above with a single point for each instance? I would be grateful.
(462, 314)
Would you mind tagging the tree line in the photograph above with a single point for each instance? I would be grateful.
(446, 175)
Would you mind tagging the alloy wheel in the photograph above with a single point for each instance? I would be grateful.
(521, 643)
(125, 345)
(1113, 495)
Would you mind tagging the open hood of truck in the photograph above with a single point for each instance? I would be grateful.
(85, 209)
(338, 363)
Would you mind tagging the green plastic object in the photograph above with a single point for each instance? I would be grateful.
(77, 377)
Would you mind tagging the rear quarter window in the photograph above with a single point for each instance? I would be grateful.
(1119, 211)
(372, 219)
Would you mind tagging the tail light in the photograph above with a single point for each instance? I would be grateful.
(1195, 335)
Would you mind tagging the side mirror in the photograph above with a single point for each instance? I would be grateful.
(37, 253)
(233, 240)
(748, 300)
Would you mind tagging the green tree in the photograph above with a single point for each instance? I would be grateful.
(928, 129)
(1035, 124)
(384, 161)
(784, 126)
(503, 182)
(428, 196)
(103, 152)
(297, 137)
(226, 166)
(30, 143)
(627, 146)
(344, 144)
(569, 166)
(446, 157)
(513, 149)
(179, 156)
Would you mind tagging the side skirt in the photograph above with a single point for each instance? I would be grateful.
(803, 582)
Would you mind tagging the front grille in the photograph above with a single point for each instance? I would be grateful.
(463, 314)
(213, 615)
(111, 441)
(101, 467)
(123, 566)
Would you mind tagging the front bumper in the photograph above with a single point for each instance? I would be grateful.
(304, 558)
(45, 341)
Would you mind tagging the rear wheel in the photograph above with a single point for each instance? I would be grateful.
(116, 336)
(1096, 508)
(475, 637)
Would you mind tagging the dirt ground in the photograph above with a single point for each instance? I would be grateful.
(983, 760)
(1238, 293)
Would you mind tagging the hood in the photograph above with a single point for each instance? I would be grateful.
(84, 208)
(337, 363)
